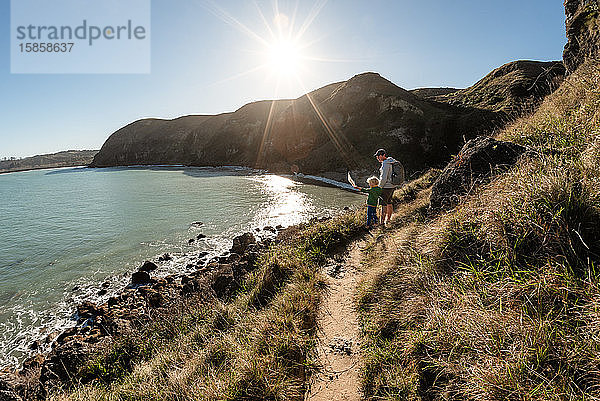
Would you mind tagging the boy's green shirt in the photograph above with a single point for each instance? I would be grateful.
(374, 194)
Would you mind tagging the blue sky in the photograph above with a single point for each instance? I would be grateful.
(203, 62)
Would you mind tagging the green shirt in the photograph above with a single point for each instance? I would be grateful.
(374, 194)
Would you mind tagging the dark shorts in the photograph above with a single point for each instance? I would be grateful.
(386, 196)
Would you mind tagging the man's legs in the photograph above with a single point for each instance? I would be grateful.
(386, 206)
(389, 210)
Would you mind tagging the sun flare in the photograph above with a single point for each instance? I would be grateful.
(284, 57)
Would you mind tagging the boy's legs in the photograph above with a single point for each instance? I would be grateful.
(371, 215)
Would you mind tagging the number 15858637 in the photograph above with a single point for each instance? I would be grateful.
(36, 47)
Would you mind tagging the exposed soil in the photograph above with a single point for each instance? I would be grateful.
(338, 340)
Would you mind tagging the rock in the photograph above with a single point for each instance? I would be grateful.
(191, 240)
(7, 391)
(232, 258)
(222, 279)
(583, 32)
(113, 301)
(102, 292)
(341, 346)
(51, 337)
(346, 208)
(476, 162)
(241, 242)
(33, 362)
(148, 267)
(87, 309)
(161, 282)
(279, 227)
(189, 285)
(197, 224)
(202, 254)
(70, 332)
(154, 298)
(239, 269)
(200, 236)
(251, 257)
(164, 257)
(269, 228)
(63, 363)
(140, 278)
(105, 284)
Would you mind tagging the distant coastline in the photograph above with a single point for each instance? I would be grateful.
(67, 158)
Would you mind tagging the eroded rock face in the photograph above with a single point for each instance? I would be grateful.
(477, 161)
(332, 128)
(583, 32)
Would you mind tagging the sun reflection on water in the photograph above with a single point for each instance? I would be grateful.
(287, 206)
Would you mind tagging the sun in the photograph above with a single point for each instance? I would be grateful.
(284, 57)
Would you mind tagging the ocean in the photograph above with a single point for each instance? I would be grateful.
(65, 232)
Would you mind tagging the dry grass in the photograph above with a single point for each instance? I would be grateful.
(497, 299)
(257, 346)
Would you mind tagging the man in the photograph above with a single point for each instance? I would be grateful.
(385, 182)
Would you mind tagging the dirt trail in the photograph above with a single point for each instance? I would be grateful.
(338, 347)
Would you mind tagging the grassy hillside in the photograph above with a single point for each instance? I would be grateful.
(66, 158)
(257, 345)
(498, 299)
(495, 299)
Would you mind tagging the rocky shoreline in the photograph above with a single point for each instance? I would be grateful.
(99, 324)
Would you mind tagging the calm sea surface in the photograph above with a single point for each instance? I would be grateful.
(65, 231)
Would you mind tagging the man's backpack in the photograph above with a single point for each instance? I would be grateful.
(397, 178)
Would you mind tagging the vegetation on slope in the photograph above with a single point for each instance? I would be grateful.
(498, 299)
(68, 158)
(256, 345)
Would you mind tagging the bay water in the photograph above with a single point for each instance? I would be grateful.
(64, 232)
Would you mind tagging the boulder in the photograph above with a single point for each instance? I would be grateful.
(241, 243)
(148, 267)
(140, 277)
(476, 162)
(200, 236)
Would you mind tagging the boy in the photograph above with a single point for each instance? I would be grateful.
(374, 193)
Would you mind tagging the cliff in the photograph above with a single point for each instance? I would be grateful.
(511, 89)
(337, 126)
